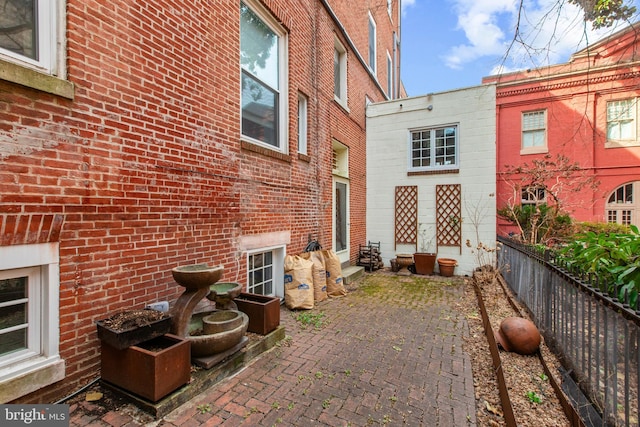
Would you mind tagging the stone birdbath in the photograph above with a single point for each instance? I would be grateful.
(223, 294)
(197, 280)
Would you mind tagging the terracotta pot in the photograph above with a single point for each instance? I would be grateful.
(424, 262)
(447, 266)
(518, 335)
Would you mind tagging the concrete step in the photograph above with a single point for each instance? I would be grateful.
(352, 273)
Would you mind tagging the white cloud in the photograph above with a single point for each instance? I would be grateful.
(407, 4)
(480, 22)
(550, 31)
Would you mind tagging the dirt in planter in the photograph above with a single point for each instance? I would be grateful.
(129, 319)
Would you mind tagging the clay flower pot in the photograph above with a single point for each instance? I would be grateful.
(424, 262)
(447, 266)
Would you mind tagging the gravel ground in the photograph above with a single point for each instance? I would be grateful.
(532, 397)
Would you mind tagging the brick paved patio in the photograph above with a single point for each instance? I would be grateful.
(386, 354)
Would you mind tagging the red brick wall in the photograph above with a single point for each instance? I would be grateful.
(144, 169)
(575, 96)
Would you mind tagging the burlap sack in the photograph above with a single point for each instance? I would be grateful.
(298, 283)
(319, 275)
(335, 285)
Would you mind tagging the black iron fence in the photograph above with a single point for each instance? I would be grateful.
(595, 335)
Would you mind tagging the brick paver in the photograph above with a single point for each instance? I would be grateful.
(386, 360)
(392, 358)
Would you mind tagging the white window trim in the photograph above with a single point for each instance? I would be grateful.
(46, 76)
(47, 17)
(538, 149)
(341, 158)
(621, 143)
(283, 78)
(390, 9)
(373, 67)
(20, 377)
(303, 121)
(454, 166)
(633, 208)
(534, 201)
(342, 99)
(390, 93)
(279, 253)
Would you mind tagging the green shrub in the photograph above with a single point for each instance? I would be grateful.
(539, 223)
(613, 257)
(600, 227)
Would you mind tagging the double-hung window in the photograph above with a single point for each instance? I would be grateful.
(390, 93)
(621, 122)
(534, 131)
(435, 148)
(339, 73)
(372, 43)
(302, 123)
(28, 33)
(263, 64)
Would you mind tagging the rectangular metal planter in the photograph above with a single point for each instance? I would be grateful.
(152, 369)
(133, 336)
(263, 311)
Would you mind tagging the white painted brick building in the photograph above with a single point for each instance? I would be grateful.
(446, 138)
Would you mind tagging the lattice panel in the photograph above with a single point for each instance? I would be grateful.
(449, 215)
(407, 214)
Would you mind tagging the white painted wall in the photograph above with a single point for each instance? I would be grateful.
(388, 132)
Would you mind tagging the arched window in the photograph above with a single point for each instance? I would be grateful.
(622, 207)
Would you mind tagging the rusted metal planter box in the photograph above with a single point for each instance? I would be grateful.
(133, 336)
(263, 312)
(152, 369)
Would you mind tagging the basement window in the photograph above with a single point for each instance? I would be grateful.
(29, 313)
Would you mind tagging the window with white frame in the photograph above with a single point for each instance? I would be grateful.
(533, 196)
(19, 303)
(622, 207)
(263, 63)
(302, 123)
(389, 76)
(340, 163)
(389, 7)
(29, 313)
(28, 33)
(372, 43)
(265, 272)
(340, 72)
(621, 123)
(435, 148)
(534, 130)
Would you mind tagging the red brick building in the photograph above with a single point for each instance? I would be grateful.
(585, 109)
(139, 136)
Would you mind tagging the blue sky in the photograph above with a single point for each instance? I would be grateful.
(449, 44)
